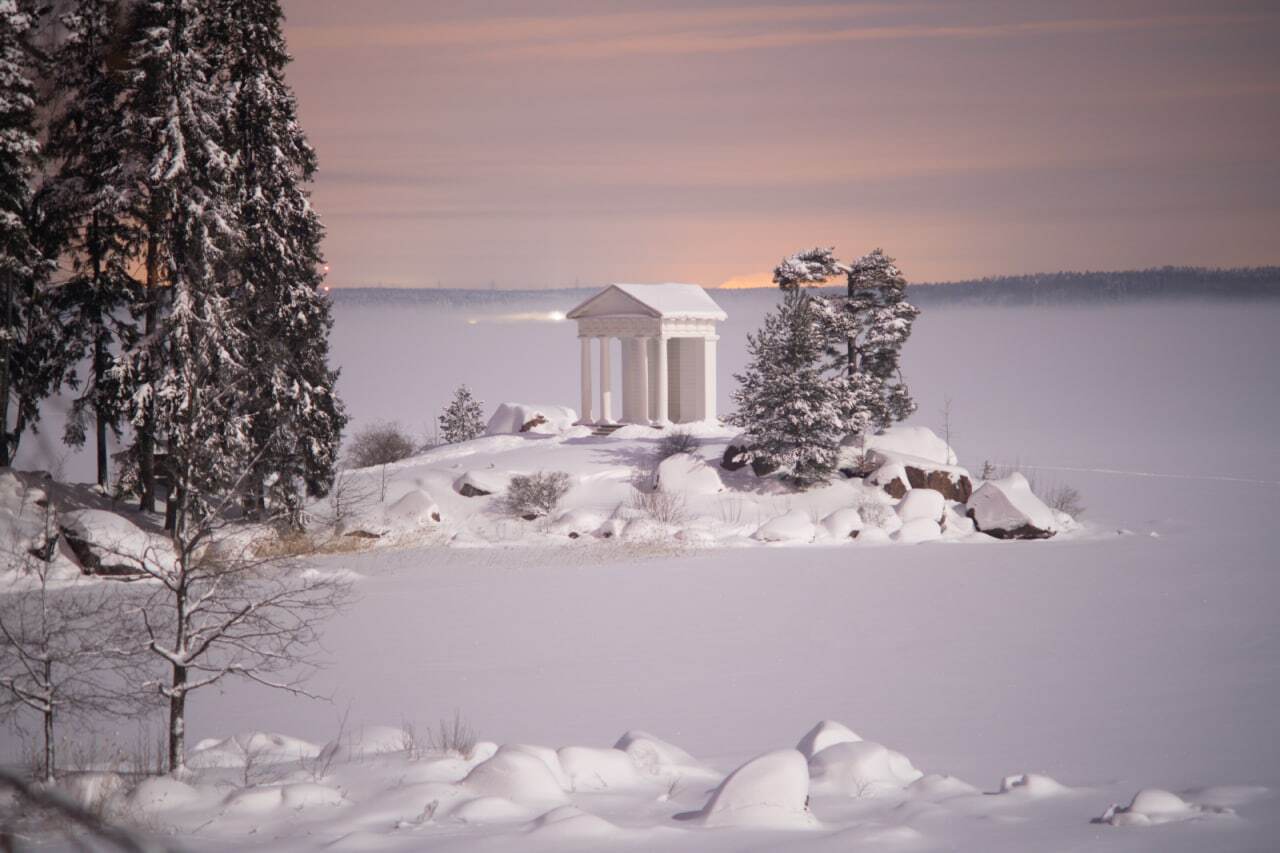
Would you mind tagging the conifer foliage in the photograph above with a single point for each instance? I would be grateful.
(463, 418)
(296, 419)
(31, 361)
(791, 414)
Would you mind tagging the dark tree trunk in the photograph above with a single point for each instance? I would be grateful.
(146, 432)
(178, 721)
(101, 416)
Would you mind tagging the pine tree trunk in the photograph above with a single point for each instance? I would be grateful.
(6, 349)
(146, 432)
(100, 416)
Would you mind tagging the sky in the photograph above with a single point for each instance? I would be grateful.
(495, 143)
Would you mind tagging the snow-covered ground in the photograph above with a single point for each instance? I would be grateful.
(1139, 657)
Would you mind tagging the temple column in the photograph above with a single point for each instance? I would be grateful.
(709, 378)
(585, 415)
(663, 384)
(606, 383)
(642, 378)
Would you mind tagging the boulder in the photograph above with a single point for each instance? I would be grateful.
(922, 504)
(109, 544)
(770, 791)
(686, 474)
(892, 477)
(513, 418)
(860, 769)
(844, 523)
(898, 472)
(920, 442)
(951, 484)
(487, 481)
(1008, 509)
(794, 526)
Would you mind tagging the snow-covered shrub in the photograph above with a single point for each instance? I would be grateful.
(463, 418)
(379, 443)
(1063, 498)
(453, 737)
(677, 441)
(661, 506)
(535, 495)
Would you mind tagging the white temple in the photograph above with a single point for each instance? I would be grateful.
(668, 340)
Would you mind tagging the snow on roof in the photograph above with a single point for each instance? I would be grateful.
(659, 300)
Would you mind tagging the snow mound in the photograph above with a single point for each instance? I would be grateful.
(483, 481)
(940, 786)
(483, 810)
(592, 769)
(922, 504)
(576, 523)
(688, 475)
(570, 823)
(873, 536)
(920, 442)
(861, 769)
(1154, 806)
(824, 734)
(372, 740)
(843, 523)
(547, 756)
(296, 797)
(107, 542)
(769, 791)
(794, 526)
(261, 747)
(414, 509)
(1008, 509)
(1032, 785)
(91, 789)
(652, 755)
(526, 417)
(515, 775)
(919, 530)
(161, 793)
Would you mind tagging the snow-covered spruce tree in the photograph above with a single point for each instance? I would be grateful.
(463, 418)
(868, 329)
(88, 196)
(810, 267)
(791, 415)
(32, 362)
(296, 419)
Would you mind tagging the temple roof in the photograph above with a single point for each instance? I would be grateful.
(650, 300)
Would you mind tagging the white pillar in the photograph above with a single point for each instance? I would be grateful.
(709, 378)
(585, 415)
(662, 382)
(642, 378)
(606, 383)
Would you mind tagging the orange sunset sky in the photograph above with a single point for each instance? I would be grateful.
(468, 143)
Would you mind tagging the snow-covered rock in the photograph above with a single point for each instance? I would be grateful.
(260, 747)
(687, 475)
(843, 523)
(108, 543)
(794, 526)
(527, 417)
(770, 791)
(415, 508)
(593, 769)
(920, 442)
(1153, 806)
(860, 769)
(1031, 785)
(515, 775)
(918, 530)
(1008, 509)
(824, 734)
(940, 786)
(482, 481)
(892, 477)
(576, 523)
(922, 504)
(652, 755)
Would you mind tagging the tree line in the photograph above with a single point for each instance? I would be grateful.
(159, 254)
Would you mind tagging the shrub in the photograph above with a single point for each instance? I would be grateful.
(662, 507)
(1063, 498)
(537, 494)
(379, 443)
(677, 441)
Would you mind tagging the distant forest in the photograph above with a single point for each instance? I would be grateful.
(1124, 286)
(1057, 288)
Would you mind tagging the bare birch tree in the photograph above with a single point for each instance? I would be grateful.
(63, 652)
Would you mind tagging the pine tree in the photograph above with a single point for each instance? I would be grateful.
(186, 381)
(812, 267)
(874, 320)
(791, 414)
(32, 365)
(463, 418)
(89, 200)
(297, 420)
